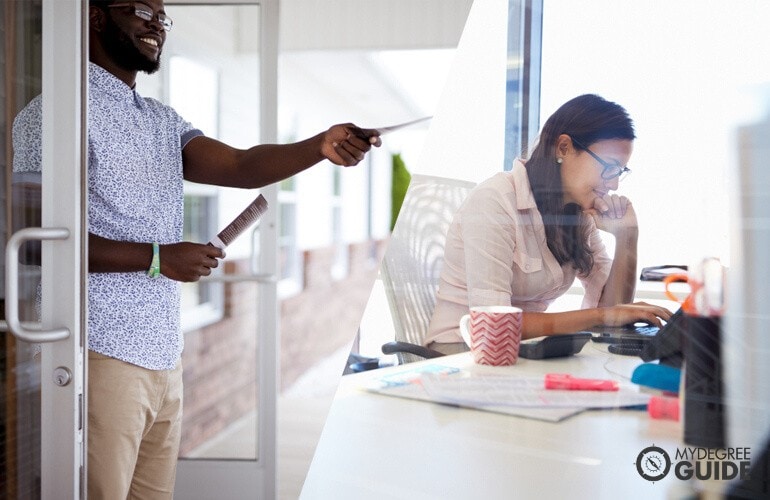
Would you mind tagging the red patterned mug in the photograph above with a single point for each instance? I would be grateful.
(493, 333)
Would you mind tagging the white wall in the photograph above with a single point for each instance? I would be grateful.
(333, 69)
(467, 132)
(309, 103)
(321, 88)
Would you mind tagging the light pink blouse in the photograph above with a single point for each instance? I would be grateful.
(496, 254)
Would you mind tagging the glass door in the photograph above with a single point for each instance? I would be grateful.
(41, 352)
(218, 71)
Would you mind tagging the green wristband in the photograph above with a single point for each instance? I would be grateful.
(154, 270)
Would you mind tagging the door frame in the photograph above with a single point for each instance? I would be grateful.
(61, 331)
(63, 277)
(64, 265)
(239, 479)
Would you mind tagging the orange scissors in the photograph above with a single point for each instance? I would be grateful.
(688, 304)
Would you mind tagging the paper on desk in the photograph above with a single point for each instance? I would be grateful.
(503, 390)
(409, 384)
(411, 375)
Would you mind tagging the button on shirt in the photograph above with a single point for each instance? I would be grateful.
(496, 254)
(135, 193)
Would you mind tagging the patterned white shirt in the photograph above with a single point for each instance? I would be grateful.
(135, 193)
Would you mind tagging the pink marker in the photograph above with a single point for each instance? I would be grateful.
(664, 407)
(564, 381)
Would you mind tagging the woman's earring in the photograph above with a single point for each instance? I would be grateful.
(559, 160)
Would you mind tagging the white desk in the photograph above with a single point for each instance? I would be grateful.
(376, 447)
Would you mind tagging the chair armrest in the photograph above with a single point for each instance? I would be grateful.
(417, 350)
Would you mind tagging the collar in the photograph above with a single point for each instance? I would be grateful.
(113, 86)
(525, 199)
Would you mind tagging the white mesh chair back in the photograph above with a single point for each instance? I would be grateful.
(412, 263)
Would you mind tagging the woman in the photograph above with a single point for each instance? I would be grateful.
(521, 237)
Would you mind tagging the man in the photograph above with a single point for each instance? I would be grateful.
(139, 152)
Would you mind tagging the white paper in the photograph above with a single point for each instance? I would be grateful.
(408, 384)
(393, 128)
(504, 390)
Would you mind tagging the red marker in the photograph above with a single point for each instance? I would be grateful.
(564, 381)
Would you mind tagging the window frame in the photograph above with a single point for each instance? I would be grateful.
(212, 310)
(522, 86)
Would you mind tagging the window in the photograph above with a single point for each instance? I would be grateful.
(202, 303)
(340, 266)
(291, 264)
(696, 78)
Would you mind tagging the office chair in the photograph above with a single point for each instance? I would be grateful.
(412, 263)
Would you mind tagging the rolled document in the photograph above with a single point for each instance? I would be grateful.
(245, 219)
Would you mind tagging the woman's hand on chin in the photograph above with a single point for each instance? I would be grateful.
(614, 214)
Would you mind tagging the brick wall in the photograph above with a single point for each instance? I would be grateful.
(326, 314)
(220, 365)
(220, 359)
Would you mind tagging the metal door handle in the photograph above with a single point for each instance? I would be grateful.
(21, 332)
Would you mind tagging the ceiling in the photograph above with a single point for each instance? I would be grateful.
(371, 24)
(390, 57)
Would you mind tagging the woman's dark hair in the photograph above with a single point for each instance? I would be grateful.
(587, 118)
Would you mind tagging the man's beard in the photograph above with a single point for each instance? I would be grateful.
(120, 48)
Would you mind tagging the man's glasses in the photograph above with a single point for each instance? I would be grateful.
(610, 170)
(145, 12)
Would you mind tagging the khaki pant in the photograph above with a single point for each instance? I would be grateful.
(134, 424)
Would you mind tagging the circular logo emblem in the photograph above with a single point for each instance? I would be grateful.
(653, 463)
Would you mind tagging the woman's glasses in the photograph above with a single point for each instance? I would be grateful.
(145, 12)
(610, 170)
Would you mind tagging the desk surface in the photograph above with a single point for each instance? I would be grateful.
(375, 446)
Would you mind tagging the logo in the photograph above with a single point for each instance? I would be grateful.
(653, 463)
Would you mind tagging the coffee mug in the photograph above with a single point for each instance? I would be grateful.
(493, 333)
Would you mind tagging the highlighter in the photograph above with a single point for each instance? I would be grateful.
(564, 381)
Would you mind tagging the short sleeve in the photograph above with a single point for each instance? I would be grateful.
(186, 131)
(183, 129)
(189, 135)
